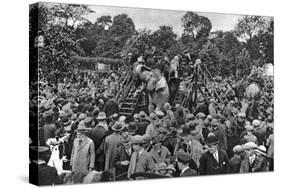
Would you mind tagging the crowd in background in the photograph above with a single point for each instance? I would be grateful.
(81, 137)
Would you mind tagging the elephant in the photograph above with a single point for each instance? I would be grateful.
(155, 85)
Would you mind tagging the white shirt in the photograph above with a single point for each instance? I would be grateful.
(216, 155)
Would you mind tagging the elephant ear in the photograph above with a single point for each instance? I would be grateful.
(161, 83)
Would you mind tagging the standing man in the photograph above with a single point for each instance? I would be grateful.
(214, 161)
(250, 161)
(111, 107)
(236, 160)
(110, 146)
(122, 159)
(83, 152)
(141, 160)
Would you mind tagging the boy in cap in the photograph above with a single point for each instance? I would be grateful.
(236, 160)
(248, 163)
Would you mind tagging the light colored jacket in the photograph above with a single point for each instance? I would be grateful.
(83, 156)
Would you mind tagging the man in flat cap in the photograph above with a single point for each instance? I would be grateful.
(236, 160)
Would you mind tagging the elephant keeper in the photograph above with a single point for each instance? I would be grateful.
(174, 66)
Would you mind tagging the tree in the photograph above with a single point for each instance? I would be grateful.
(249, 26)
(111, 44)
(61, 42)
(196, 31)
(163, 38)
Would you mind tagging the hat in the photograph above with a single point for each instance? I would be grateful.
(159, 113)
(153, 117)
(261, 150)
(250, 145)
(122, 118)
(142, 114)
(241, 114)
(101, 116)
(82, 116)
(190, 116)
(101, 101)
(249, 128)
(167, 105)
(183, 157)
(256, 123)
(65, 121)
(157, 139)
(132, 127)
(96, 111)
(209, 117)
(117, 127)
(73, 117)
(39, 149)
(63, 114)
(139, 139)
(212, 140)
(88, 120)
(171, 167)
(270, 125)
(140, 59)
(162, 166)
(115, 116)
(212, 100)
(201, 115)
(136, 116)
(162, 130)
(82, 128)
(237, 149)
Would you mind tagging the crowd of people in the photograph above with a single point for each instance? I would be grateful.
(79, 136)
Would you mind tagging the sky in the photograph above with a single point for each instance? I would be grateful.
(153, 18)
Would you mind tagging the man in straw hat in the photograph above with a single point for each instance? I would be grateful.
(83, 151)
(141, 160)
(215, 160)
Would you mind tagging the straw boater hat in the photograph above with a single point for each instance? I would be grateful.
(117, 127)
(65, 121)
(261, 150)
(139, 139)
(82, 129)
(101, 116)
(142, 115)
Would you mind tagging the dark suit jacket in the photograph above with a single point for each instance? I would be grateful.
(235, 164)
(209, 165)
(43, 174)
(188, 172)
(120, 156)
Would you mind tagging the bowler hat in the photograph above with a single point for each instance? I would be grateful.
(212, 140)
(65, 121)
(132, 127)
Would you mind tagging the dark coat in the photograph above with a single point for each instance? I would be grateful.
(120, 156)
(142, 125)
(43, 174)
(235, 164)
(98, 135)
(49, 131)
(188, 172)
(209, 165)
